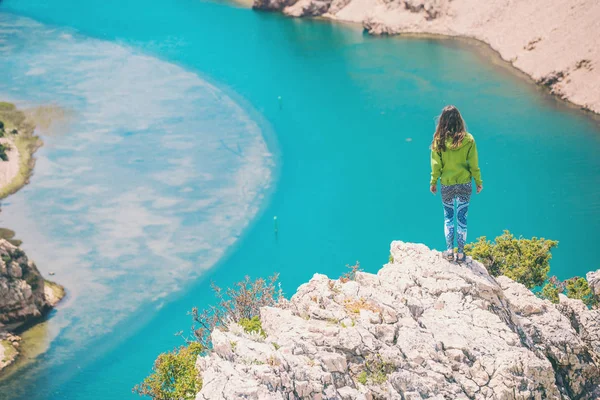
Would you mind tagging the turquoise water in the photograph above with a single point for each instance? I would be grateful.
(178, 155)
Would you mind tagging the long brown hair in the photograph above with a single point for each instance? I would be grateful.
(450, 125)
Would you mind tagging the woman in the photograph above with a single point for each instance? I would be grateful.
(454, 160)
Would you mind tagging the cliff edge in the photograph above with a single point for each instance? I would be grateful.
(420, 328)
(555, 42)
(24, 296)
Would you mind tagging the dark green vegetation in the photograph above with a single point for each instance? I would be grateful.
(174, 375)
(527, 261)
(3, 149)
(30, 275)
(23, 138)
(575, 288)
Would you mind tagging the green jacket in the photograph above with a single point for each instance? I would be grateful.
(456, 165)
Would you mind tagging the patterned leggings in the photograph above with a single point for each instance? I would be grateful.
(459, 196)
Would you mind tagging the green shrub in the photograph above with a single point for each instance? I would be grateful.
(252, 325)
(174, 375)
(574, 288)
(376, 371)
(526, 261)
(362, 377)
(578, 288)
(550, 292)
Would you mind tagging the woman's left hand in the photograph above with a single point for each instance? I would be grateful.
(433, 189)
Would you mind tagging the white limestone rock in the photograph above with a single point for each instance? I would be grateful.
(421, 328)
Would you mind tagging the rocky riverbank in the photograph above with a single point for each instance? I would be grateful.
(557, 43)
(25, 296)
(420, 328)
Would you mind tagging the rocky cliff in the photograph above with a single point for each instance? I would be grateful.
(420, 328)
(556, 42)
(24, 296)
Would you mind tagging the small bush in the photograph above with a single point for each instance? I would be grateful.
(526, 261)
(550, 292)
(376, 371)
(574, 288)
(242, 303)
(252, 325)
(174, 375)
(350, 275)
(3, 149)
(578, 288)
(362, 378)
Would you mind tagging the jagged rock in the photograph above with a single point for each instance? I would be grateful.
(593, 279)
(567, 335)
(552, 79)
(21, 286)
(337, 5)
(421, 328)
(272, 5)
(431, 8)
(23, 296)
(377, 28)
(308, 8)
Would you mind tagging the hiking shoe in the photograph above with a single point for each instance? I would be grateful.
(462, 259)
(448, 255)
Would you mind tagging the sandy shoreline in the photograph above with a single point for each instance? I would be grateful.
(16, 171)
(9, 169)
(556, 43)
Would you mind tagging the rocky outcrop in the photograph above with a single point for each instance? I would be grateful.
(420, 328)
(553, 41)
(21, 286)
(593, 279)
(24, 296)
